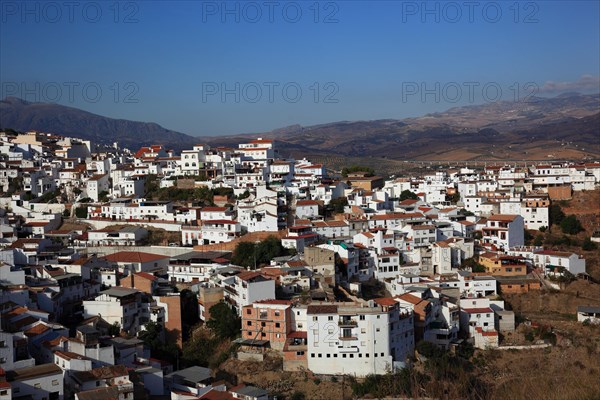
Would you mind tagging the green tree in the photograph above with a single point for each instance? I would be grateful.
(588, 245)
(244, 254)
(103, 196)
(223, 321)
(407, 194)
(189, 311)
(114, 329)
(247, 254)
(527, 236)
(199, 349)
(539, 240)
(152, 336)
(337, 205)
(556, 214)
(473, 265)
(453, 198)
(81, 212)
(357, 168)
(571, 225)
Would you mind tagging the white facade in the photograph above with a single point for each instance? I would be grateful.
(358, 340)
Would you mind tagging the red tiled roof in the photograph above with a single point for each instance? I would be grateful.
(134, 256)
(503, 217)
(482, 310)
(386, 301)
(146, 275)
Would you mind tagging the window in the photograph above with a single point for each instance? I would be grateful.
(37, 386)
(315, 318)
(330, 318)
(249, 323)
(362, 317)
(55, 382)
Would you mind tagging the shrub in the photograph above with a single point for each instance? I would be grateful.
(81, 212)
(571, 225)
(529, 336)
(588, 245)
(297, 396)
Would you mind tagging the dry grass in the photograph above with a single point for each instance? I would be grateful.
(230, 246)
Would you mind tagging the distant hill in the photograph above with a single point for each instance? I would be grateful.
(566, 126)
(563, 127)
(54, 118)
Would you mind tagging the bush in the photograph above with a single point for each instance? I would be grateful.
(337, 205)
(407, 194)
(81, 212)
(588, 245)
(556, 214)
(529, 336)
(571, 225)
(539, 240)
(297, 396)
(223, 321)
(357, 168)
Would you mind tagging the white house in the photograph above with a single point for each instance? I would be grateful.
(40, 382)
(587, 313)
(552, 261)
(358, 339)
(246, 288)
(116, 305)
(504, 231)
(307, 209)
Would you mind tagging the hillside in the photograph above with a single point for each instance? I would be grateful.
(563, 127)
(68, 121)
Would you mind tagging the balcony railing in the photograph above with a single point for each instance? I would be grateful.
(347, 322)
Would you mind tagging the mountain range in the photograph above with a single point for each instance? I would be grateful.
(562, 127)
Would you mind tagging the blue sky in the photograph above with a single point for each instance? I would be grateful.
(211, 68)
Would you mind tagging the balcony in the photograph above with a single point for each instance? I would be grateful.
(345, 337)
(347, 322)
